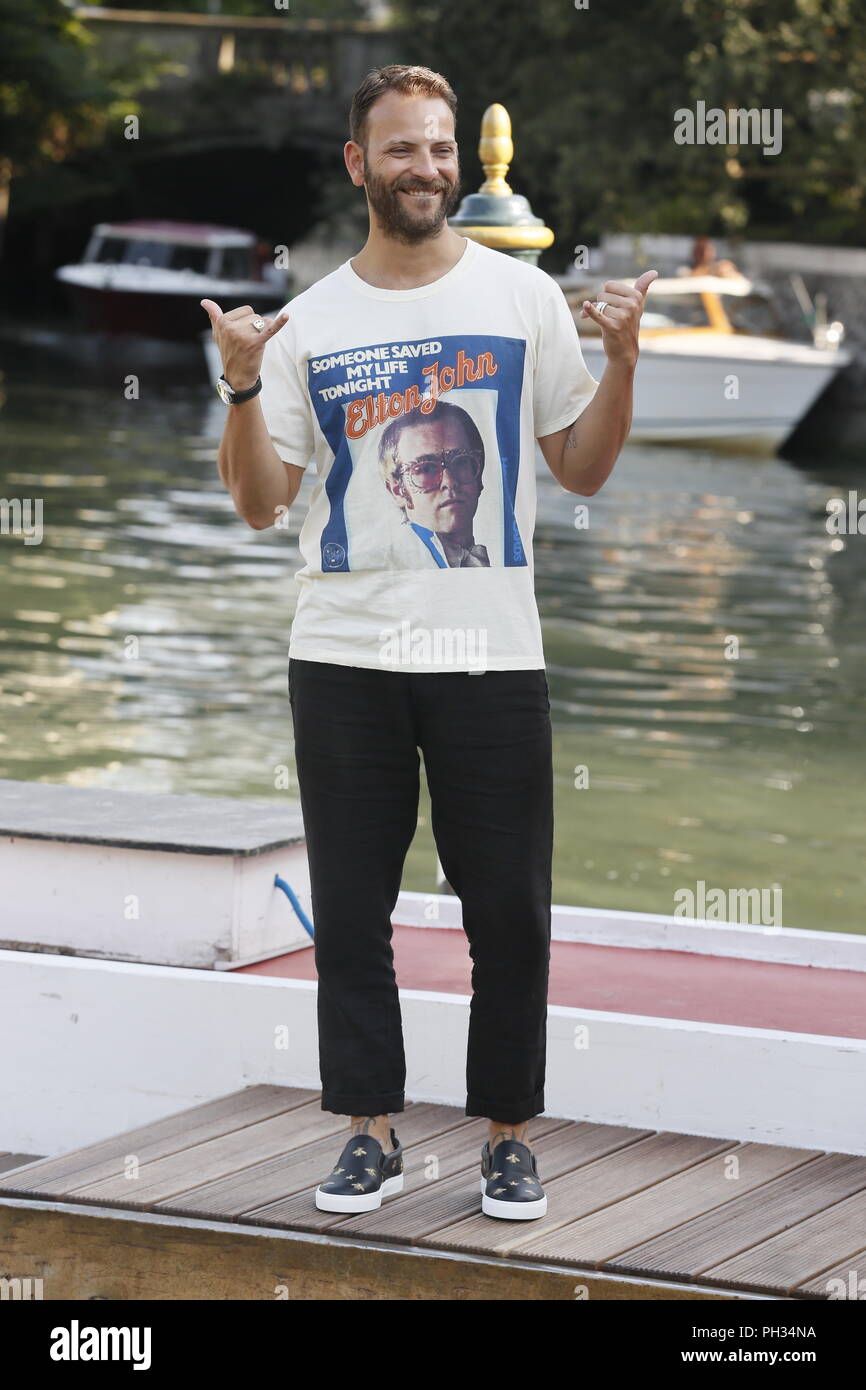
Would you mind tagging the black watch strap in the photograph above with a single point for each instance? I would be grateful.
(232, 397)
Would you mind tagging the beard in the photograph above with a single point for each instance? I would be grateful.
(399, 221)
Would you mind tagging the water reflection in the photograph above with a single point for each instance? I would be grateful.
(704, 637)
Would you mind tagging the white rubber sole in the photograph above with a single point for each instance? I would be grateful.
(511, 1211)
(367, 1201)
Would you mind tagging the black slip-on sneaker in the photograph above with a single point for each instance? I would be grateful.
(510, 1185)
(363, 1176)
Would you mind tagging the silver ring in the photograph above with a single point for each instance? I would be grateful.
(601, 305)
(258, 324)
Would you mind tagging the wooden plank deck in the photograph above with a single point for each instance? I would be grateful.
(631, 1213)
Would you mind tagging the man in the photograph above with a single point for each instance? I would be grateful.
(420, 313)
(432, 465)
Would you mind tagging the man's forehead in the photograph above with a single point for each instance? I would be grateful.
(420, 117)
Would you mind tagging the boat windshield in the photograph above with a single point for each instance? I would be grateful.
(165, 255)
(755, 314)
(234, 263)
(674, 311)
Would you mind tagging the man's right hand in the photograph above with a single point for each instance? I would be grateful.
(241, 347)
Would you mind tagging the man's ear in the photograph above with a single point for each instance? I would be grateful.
(399, 492)
(353, 155)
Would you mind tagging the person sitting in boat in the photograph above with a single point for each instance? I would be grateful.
(704, 261)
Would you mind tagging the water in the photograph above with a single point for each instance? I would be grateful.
(143, 645)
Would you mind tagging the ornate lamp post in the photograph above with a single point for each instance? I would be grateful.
(495, 215)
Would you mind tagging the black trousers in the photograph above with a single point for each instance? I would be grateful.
(486, 741)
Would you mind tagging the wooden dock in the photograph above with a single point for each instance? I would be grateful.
(216, 1202)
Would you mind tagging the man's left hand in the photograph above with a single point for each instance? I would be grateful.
(620, 320)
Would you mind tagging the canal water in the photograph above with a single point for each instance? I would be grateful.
(705, 638)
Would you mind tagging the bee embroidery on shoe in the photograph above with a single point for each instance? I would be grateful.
(338, 1170)
(495, 1175)
(358, 1186)
(512, 1158)
(531, 1181)
(500, 1189)
(360, 1153)
(371, 1171)
(514, 1183)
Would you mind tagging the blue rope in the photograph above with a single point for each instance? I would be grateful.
(293, 899)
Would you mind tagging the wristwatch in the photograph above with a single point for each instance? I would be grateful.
(232, 397)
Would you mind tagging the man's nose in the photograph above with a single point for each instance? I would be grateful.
(424, 166)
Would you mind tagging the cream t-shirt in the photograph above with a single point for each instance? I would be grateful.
(419, 410)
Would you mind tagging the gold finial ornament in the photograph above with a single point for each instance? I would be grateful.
(495, 150)
(496, 215)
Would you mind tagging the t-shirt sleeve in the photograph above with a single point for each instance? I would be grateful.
(563, 385)
(284, 400)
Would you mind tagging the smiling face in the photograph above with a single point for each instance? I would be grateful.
(450, 508)
(409, 165)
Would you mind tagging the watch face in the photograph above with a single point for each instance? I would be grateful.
(225, 391)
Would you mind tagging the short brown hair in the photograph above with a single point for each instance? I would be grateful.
(406, 78)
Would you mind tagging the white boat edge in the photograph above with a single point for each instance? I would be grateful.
(649, 931)
(105, 1046)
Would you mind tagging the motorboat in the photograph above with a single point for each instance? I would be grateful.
(715, 364)
(147, 278)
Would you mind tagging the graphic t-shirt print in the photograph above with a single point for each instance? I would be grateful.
(426, 442)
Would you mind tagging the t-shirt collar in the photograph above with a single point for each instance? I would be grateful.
(444, 282)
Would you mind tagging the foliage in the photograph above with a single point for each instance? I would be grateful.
(51, 94)
(591, 91)
(592, 95)
(58, 94)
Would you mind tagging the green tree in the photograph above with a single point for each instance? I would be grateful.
(808, 60)
(592, 95)
(57, 97)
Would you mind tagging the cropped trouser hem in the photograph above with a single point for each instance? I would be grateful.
(361, 1104)
(506, 1112)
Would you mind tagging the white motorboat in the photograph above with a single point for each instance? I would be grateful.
(714, 364)
(148, 278)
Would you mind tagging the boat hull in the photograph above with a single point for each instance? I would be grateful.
(172, 317)
(710, 397)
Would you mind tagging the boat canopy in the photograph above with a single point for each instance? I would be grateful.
(739, 285)
(180, 233)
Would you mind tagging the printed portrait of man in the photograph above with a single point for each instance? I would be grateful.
(432, 464)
